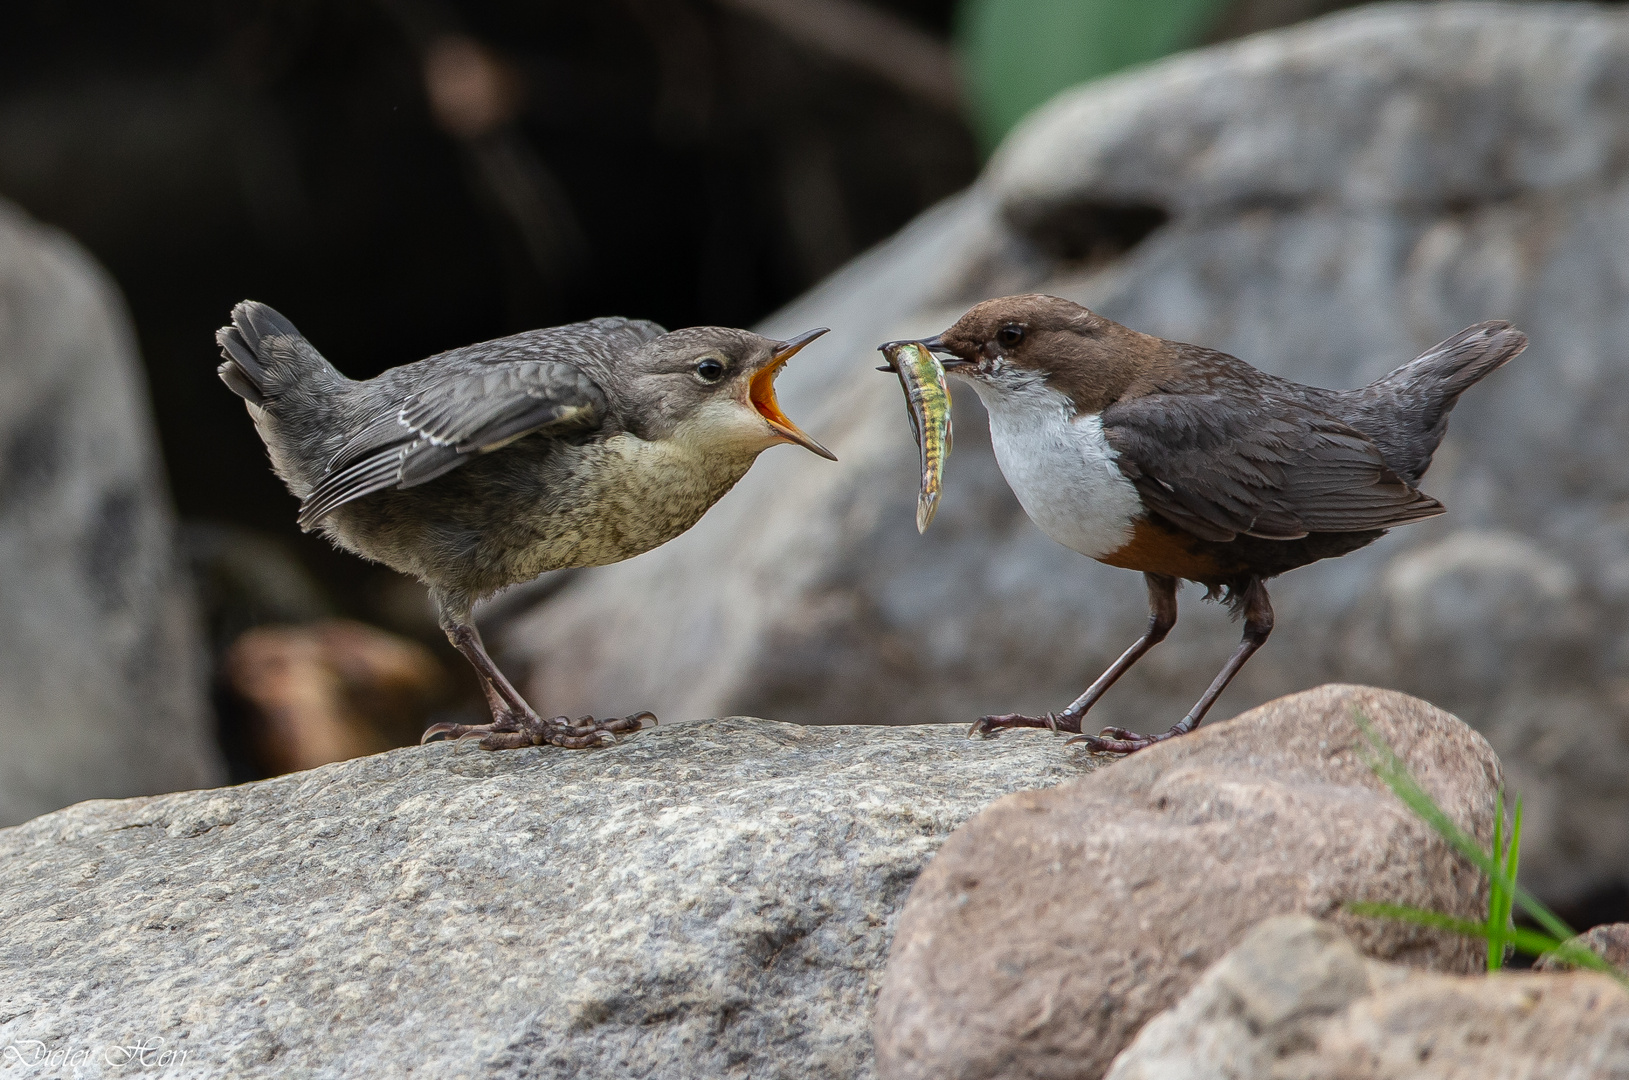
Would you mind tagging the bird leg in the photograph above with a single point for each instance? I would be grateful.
(1162, 615)
(1258, 623)
(514, 722)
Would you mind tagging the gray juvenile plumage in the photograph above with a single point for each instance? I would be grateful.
(488, 465)
(1184, 462)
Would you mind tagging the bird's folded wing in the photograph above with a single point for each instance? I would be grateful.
(1277, 469)
(438, 427)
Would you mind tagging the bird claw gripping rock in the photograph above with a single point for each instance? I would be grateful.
(514, 732)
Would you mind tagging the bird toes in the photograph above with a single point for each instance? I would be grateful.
(435, 732)
(988, 726)
(450, 732)
(991, 726)
(633, 722)
(506, 740)
(1103, 745)
(1117, 740)
(586, 732)
(581, 735)
(514, 731)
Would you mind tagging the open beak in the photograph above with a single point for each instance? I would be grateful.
(761, 391)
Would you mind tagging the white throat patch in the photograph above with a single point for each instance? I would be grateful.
(1061, 467)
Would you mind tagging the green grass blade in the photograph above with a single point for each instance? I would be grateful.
(1507, 896)
(1500, 865)
(1512, 862)
(1534, 943)
(1498, 913)
(1395, 775)
(1420, 916)
(1530, 942)
(1543, 915)
(1579, 956)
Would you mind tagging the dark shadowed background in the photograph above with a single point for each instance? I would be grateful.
(402, 178)
(405, 176)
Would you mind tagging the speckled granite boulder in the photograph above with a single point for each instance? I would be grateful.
(709, 900)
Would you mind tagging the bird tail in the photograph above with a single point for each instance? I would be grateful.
(1406, 411)
(265, 359)
(290, 389)
(1440, 374)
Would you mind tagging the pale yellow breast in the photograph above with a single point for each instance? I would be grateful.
(630, 496)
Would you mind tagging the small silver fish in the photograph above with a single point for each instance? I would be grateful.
(927, 402)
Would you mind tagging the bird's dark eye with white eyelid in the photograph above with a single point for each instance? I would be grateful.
(1010, 335)
(709, 369)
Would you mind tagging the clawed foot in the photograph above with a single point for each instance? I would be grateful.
(1111, 740)
(514, 731)
(995, 725)
(1117, 740)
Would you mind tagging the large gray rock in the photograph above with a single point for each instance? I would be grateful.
(1296, 1001)
(711, 900)
(1340, 196)
(1056, 923)
(101, 681)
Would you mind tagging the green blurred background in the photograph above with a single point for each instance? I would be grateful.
(1016, 54)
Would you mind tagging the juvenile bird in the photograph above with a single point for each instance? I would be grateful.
(1187, 463)
(485, 466)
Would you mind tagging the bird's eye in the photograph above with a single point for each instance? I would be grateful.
(709, 369)
(1010, 335)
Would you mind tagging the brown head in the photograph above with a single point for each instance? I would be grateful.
(1014, 343)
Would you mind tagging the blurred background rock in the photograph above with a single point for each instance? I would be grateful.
(101, 670)
(401, 177)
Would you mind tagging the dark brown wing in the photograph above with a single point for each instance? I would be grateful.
(1276, 469)
(437, 428)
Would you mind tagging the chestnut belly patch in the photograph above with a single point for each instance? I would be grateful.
(1157, 548)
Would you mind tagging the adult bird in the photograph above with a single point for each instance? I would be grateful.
(1187, 463)
(488, 465)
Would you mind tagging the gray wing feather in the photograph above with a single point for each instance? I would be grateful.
(415, 438)
(1277, 470)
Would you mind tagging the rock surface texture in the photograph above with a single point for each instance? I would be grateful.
(1335, 198)
(712, 900)
(101, 680)
(1296, 1001)
(1054, 924)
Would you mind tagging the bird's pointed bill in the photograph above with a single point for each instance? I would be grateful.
(948, 359)
(761, 390)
